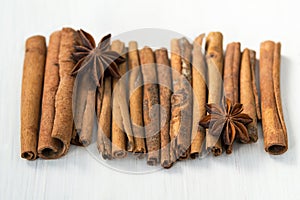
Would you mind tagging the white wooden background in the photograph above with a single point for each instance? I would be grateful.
(249, 173)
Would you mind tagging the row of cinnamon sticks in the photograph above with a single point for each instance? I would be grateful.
(155, 108)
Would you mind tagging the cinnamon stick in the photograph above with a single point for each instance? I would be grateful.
(63, 120)
(49, 147)
(104, 124)
(164, 80)
(136, 99)
(118, 136)
(214, 60)
(232, 72)
(175, 98)
(123, 100)
(247, 91)
(99, 97)
(274, 129)
(253, 62)
(32, 85)
(85, 136)
(231, 76)
(199, 100)
(186, 103)
(150, 109)
(84, 106)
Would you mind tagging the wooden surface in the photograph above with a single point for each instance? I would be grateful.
(249, 173)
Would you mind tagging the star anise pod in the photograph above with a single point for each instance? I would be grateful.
(94, 59)
(227, 121)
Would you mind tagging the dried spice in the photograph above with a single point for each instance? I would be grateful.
(89, 57)
(91, 63)
(227, 121)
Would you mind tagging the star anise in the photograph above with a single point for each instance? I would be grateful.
(227, 121)
(94, 59)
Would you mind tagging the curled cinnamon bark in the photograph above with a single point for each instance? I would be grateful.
(274, 129)
(199, 100)
(136, 100)
(185, 94)
(232, 72)
(118, 136)
(49, 147)
(231, 76)
(88, 118)
(175, 102)
(214, 60)
(164, 79)
(104, 123)
(248, 91)
(32, 85)
(63, 120)
(150, 102)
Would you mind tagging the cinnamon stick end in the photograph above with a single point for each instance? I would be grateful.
(120, 154)
(29, 155)
(167, 164)
(216, 151)
(194, 155)
(51, 152)
(36, 41)
(276, 149)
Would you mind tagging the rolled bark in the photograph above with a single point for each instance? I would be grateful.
(199, 100)
(136, 99)
(175, 98)
(150, 102)
(247, 91)
(85, 136)
(84, 96)
(104, 123)
(123, 99)
(49, 147)
(164, 80)
(118, 136)
(274, 129)
(32, 85)
(186, 103)
(232, 72)
(214, 60)
(231, 76)
(254, 81)
(99, 97)
(63, 120)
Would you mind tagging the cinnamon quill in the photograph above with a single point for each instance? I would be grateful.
(175, 102)
(164, 80)
(104, 123)
(118, 136)
(136, 100)
(199, 100)
(231, 76)
(32, 85)
(150, 102)
(49, 147)
(248, 91)
(274, 129)
(63, 120)
(214, 60)
(186, 101)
